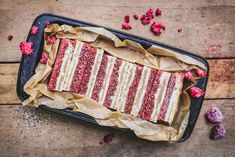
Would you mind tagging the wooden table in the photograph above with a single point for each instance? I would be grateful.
(208, 30)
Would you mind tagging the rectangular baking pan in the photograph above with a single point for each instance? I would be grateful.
(29, 63)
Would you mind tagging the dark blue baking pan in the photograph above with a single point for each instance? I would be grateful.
(29, 63)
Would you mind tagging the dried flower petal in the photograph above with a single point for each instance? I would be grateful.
(218, 131)
(26, 48)
(158, 12)
(34, 30)
(196, 92)
(214, 115)
(200, 72)
(51, 40)
(188, 75)
(44, 58)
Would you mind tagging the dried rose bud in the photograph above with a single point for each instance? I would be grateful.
(158, 12)
(127, 19)
(214, 115)
(218, 131)
(34, 30)
(136, 16)
(196, 92)
(26, 48)
(200, 72)
(188, 75)
(51, 40)
(126, 26)
(44, 58)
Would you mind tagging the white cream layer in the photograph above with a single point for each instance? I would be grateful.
(142, 87)
(94, 72)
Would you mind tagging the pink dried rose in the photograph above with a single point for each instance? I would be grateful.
(196, 92)
(44, 58)
(126, 26)
(158, 12)
(10, 37)
(218, 131)
(127, 19)
(188, 75)
(26, 48)
(51, 40)
(47, 23)
(200, 72)
(157, 27)
(136, 16)
(214, 115)
(34, 30)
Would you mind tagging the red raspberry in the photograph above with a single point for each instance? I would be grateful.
(136, 16)
(150, 14)
(127, 19)
(10, 37)
(156, 28)
(158, 12)
(126, 26)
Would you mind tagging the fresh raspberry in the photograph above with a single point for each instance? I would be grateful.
(145, 20)
(10, 37)
(156, 28)
(44, 58)
(150, 14)
(188, 75)
(26, 48)
(51, 40)
(200, 72)
(126, 26)
(196, 92)
(127, 19)
(214, 115)
(136, 16)
(158, 12)
(47, 23)
(34, 30)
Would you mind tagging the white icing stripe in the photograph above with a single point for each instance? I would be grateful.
(94, 72)
(105, 85)
(64, 67)
(159, 95)
(173, 104)
(142, 87)
(128, 79)
(73, 65)
(121, 78)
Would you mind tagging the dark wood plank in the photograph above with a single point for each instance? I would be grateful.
(31, 132)
(208, 27)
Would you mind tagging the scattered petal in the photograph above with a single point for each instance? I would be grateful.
(200, 72)
(44, 58)
(26, 48)
(10, 37)
(126, 26)
(34, 30)
(214, 115)
(196, 92)
(218, 131)
(51, 40)
(158, 12)
(188, 75)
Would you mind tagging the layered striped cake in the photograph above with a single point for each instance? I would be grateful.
(143, 92)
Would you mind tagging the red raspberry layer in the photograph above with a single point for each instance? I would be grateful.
(80, 68)
(113, 82)
(100, 78)
(167, 97)
(148, 103)
(87, 73)
(58, 62)
(133, 89)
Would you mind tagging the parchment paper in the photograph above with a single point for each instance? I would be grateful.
(154, 57)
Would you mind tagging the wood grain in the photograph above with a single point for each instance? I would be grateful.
(221, 82)
(208, 27)
(31, 132)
